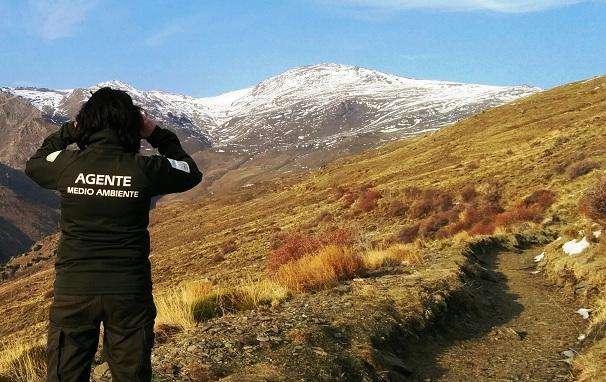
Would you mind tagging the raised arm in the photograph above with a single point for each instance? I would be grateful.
(172, 171)
(49, 161)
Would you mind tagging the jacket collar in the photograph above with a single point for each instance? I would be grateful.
(105, 139)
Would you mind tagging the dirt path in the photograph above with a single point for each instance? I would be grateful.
(522, 325)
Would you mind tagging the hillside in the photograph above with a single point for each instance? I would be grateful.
(22, 130)
(528, 162)
(27, 212)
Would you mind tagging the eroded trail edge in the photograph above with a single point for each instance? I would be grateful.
(516, 330)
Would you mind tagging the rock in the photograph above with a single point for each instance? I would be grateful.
(396, 364)
(101, 371)
(206, 327)
(170, 368)
(262, 338)
(191, 348)
(547, 221)
(247, 339)
(343, 289)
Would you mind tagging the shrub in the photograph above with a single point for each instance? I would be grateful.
(218, 257)
(542, 198)
(298, 244)
(520, 213)
(228, 246)
(408, 234)
(443, 201)
(324, 216)
(560, 168)
(593, 202)
(277, 239)
(484, 227)
(421, 208)
(492, 199)
(295, 245)
(339, 192)
(581, 167)
(397, 208)
(469, 193)
(338, 236)
(430, 201)
(531, 209)
(348, 199)
(430, 226)
(366, 200)
(321, 269)
(473, 165)
(412, 192)
(473, 215)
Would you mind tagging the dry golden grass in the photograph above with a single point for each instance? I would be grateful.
(394, 255)
(23, 360)
(587, 268)
(262, 292)
(176, 306)
(546, 130)
(195, 301)
(589, 366)
(321, 269)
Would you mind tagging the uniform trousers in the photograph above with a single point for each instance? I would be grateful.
(73, 336)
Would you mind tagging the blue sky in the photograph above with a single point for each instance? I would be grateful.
(205, 48)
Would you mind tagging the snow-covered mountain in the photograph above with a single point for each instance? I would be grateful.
(311, 107)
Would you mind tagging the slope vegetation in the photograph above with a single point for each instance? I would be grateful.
(522, 166)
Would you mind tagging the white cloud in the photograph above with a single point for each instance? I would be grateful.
(505, 6)
(164, 34)
(173, 28)
(54, 19)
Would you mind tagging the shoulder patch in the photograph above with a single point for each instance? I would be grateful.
(179, 165)
(52, 156)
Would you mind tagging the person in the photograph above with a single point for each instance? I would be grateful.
(102, 269)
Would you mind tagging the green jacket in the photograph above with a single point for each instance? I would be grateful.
(105, 202)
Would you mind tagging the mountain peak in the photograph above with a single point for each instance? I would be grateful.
(329, 76)
(115, 84)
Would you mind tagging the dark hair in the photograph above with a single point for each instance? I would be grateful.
(109, 108)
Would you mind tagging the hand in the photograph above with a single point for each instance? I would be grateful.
(72, 133)
(148, 126)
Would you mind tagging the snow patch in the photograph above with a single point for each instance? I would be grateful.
(574, 247)
(584, 312)
(569, 354)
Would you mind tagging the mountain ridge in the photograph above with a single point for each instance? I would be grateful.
(294, 96)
